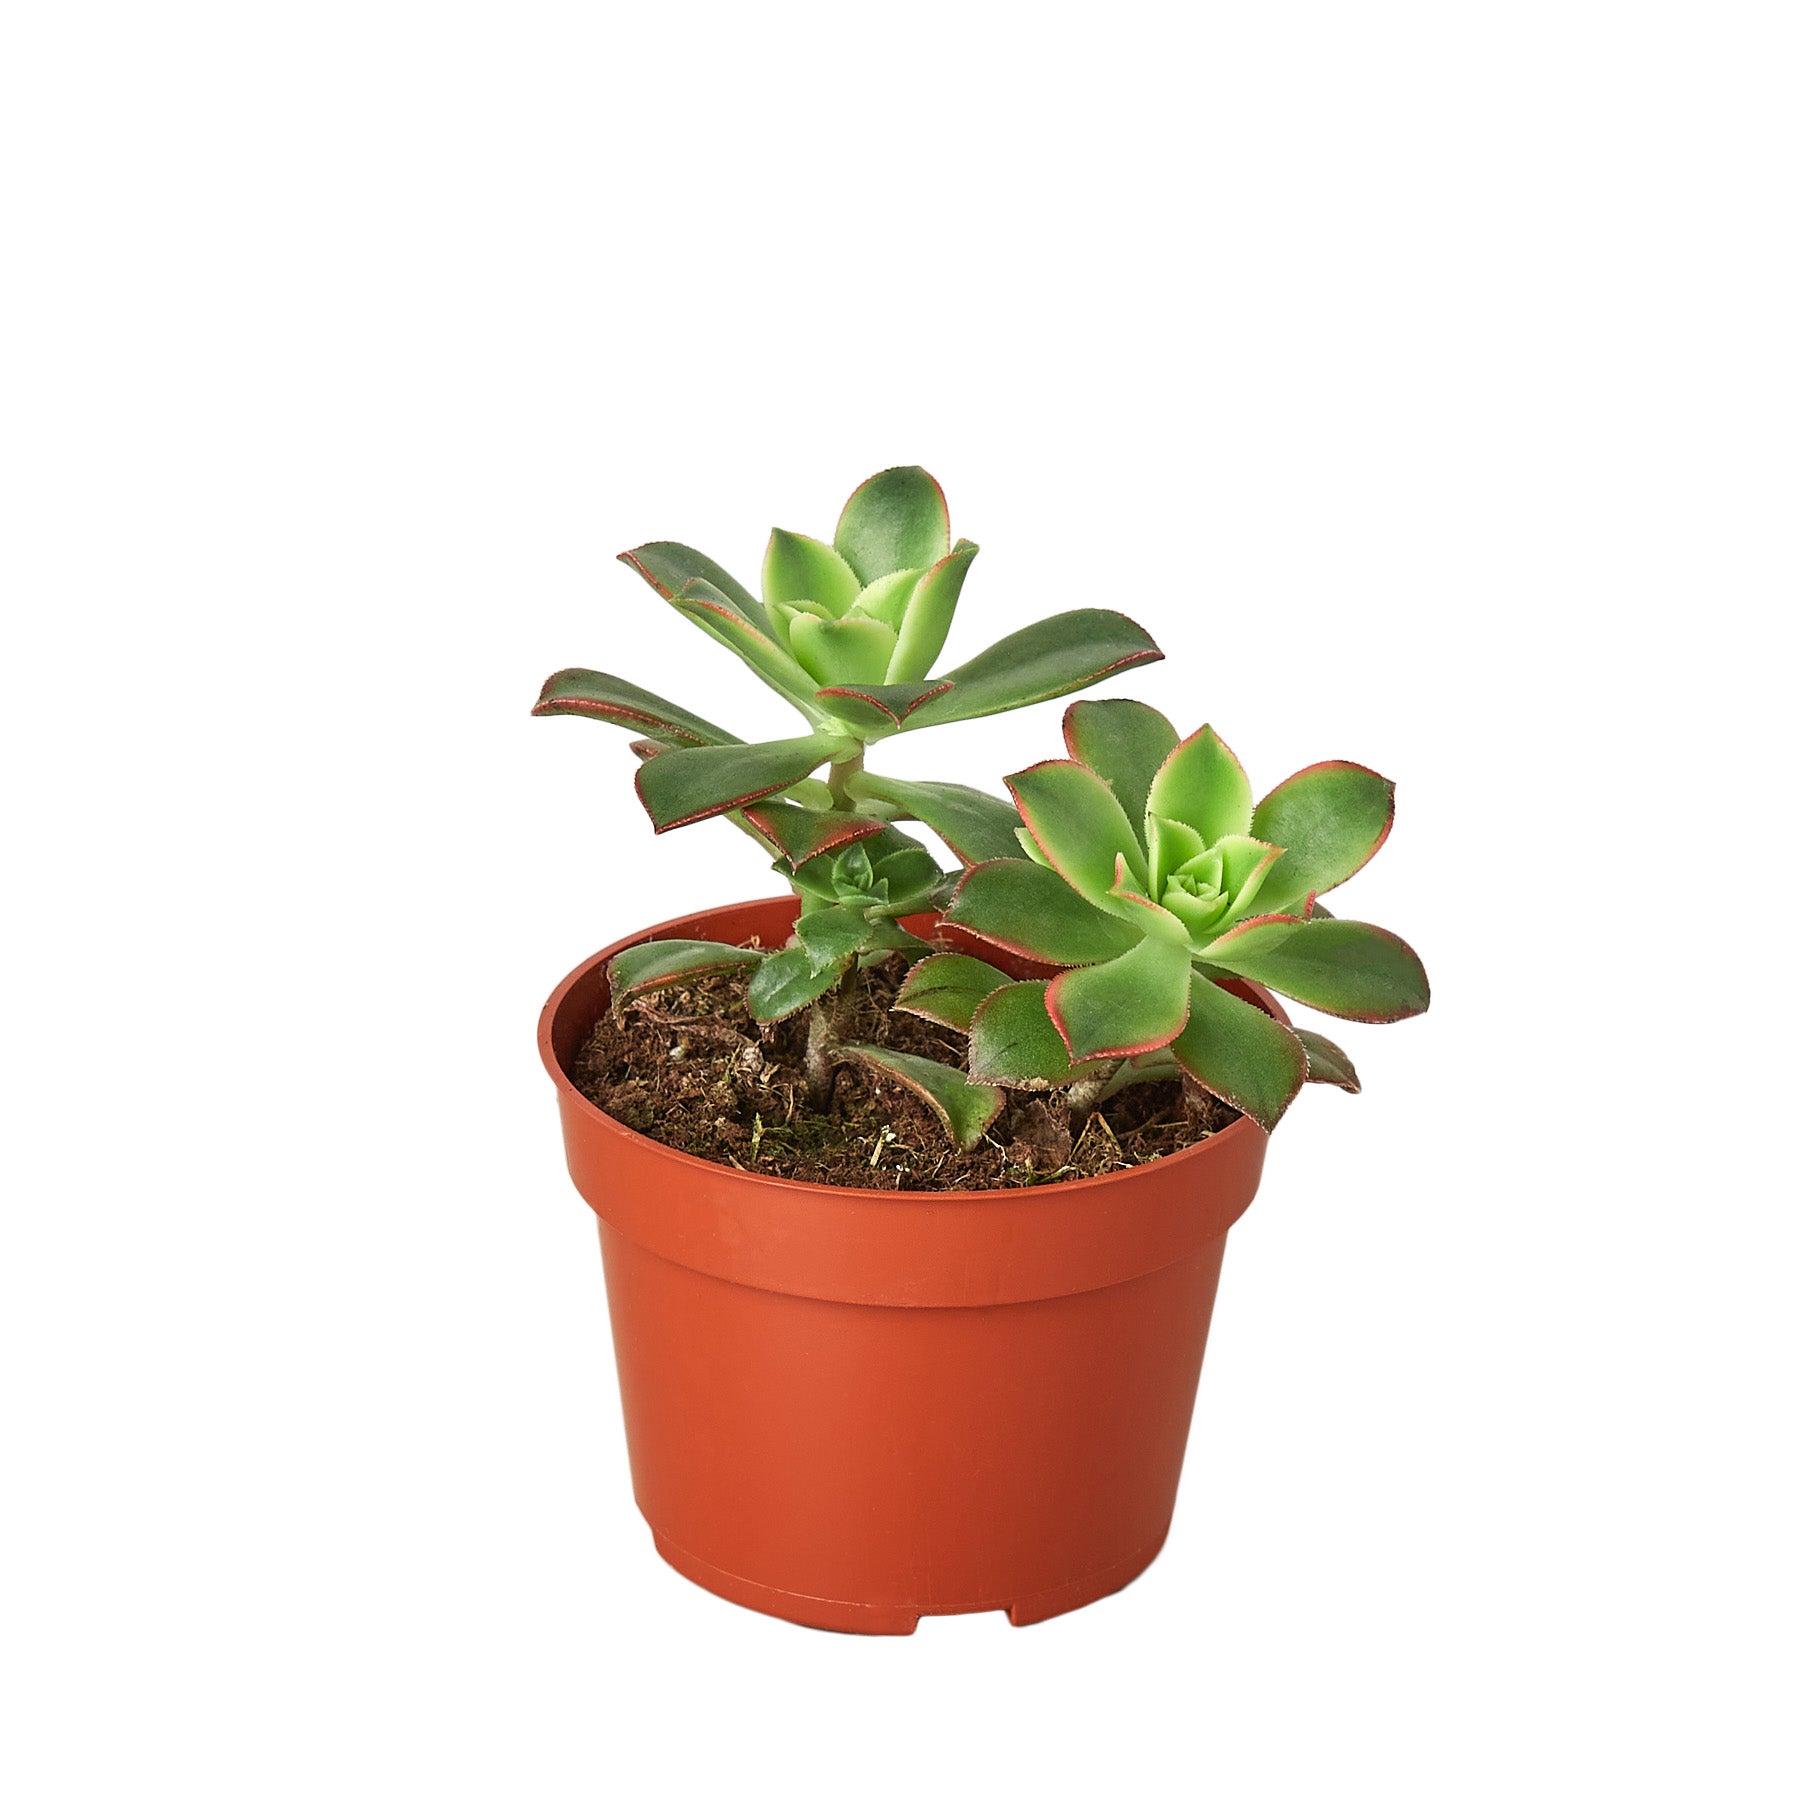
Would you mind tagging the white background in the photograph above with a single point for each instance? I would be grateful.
(1423, 376)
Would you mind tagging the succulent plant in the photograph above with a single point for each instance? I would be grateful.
(846, 633)
(1152, 880)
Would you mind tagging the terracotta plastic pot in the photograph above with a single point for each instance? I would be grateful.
(849, 1408)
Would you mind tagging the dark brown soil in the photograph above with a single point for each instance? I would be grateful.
(690, 1068)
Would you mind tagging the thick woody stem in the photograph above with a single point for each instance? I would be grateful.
(822, 1043)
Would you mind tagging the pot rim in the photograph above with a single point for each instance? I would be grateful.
(683, 927)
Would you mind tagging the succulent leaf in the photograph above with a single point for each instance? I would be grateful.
(800, 833)
(895, 520)
(670, 567)
(586, 693)
(947, 988)
(1339, 966)
(748, 641)
(1326, 1062)
(886, 599)
(926, 621)
(1031, 911)
(1013, 1043)
(1078, 824)
(786, 982)
(645, 967)
(1055, 656)
(1135, 1003)
(1235, 1050)
(976, 826)
(832, 936)
(681, 786)
(878, 709)
(1330, 819)
(965, 1108)
(1203, 785)
(1124, 742)
(834, 651)
(799, 570)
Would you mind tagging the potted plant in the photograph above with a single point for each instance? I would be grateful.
(913, 1186)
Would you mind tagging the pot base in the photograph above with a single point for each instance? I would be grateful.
(895, 1621)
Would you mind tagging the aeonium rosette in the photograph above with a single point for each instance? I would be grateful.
(1154, 877)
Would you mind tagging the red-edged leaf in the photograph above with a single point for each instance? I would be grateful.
(1235, 1050)
(1340, 966)
(670, 567)
(645, 967)
(1055, 656)
(976, 826)
(1326, 1062)
(878, 708)
(745, 639)
(1124, 742)
(1031, 911)
(947, 988)
(1330, 819)
(587, 693)
(681, 786)
(1203, 785)
(1079, 826)
(965, 1108)
(1012, 1042)
(800, 833)
(895, 520)
(1136, 1003)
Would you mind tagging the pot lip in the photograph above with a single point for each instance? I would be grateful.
(569, 1093)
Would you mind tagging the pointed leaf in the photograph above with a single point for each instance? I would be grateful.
(1235, 1050)
(1135, 1003)
(1340, 966)
(895, 520)
(786, 982)
(681, 786)
(976, 826)
(909, 874)
(836, 651)
(1079, 825)
(645, 967)
(1203, 785)
(586, 693)
(886, 599)
(831, 936)
(1055, 656)
(800, 833)
(670, 567)
(1124, 742)
(1012, 1042)
(966, 1109)
(877, 709)
(1031, 911)
(798, 569)
(1330, 819)
(947, 988)
(748, 641)
(926, 623)
(1326, 1062)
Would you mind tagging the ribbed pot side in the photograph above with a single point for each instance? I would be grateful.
(849, 1408)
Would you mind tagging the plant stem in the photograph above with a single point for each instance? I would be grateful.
(822, 1043)
(1084, 1096)
(841, 772)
